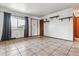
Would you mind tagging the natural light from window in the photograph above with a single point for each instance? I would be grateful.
(17, 22)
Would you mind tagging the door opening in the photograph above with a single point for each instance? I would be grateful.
(42, 27)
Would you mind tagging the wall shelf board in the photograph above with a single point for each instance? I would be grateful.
(54, 17)
(65, 18)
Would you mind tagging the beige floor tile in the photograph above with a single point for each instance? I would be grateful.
(27, 53)
(50, 50)
(64, 51)
(2, 47)
(2, 51)
(35, 49)
(11, 48)
(13, 52)
(58, 54)
(42, 53)
(23, 50)
(2, 54)
(20, 46)
(39, 46)
(74, 52)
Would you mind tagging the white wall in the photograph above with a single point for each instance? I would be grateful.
(34, 27)
(1, 24)
(57, 28)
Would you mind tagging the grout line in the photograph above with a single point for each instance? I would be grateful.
(33, 53)
(18, 50)
(5, 52)
(58, 47)
(69, 50)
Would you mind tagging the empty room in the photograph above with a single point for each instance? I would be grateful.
(39, 29)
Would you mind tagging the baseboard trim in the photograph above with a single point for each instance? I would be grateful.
(17, 38)
(39, 36)
(34, 36)
(58, 38)
(20, 37)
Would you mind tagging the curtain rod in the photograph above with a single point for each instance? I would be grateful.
(17, 15)
(12, 14)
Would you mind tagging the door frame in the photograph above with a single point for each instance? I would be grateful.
(74, 18)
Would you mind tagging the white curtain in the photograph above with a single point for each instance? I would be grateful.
(1, 24)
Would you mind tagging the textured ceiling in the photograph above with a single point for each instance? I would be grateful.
(38, 9)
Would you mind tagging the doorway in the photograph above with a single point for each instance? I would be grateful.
(42, 27)
(34, 27)
(76, 28)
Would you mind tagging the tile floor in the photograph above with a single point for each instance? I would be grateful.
(39, 46)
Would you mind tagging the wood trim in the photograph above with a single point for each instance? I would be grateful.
(41, 27)
(76, 28)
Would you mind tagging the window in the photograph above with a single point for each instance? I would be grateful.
(14, 22)
(21, 22)
(17, 22)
